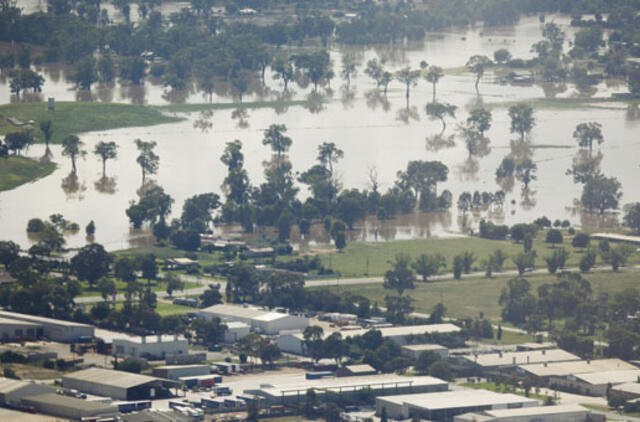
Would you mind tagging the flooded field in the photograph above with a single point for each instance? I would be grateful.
(375, 133)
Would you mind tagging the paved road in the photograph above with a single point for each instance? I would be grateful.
(205, 282)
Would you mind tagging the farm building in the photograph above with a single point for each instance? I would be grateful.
(54, 329)
(151, 347)
(118, 385)
(69, 407)
(12, 391)
(260, 320)
(443, 406)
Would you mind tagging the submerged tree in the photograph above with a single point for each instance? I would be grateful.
(147, 159)
(440, 111)
(409, 78)
(522, 120)
(588, 133)
(433, 76)
(106, 151)
(72, 148)
(477, 64)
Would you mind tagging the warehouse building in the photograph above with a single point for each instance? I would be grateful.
(179, 371)
(444, 406)
(504, 360)
(294, 389)
(69, 407)
(12, 391)
(151, 347)
(235, 331)
(542, 372)
(260, 320)
(562, 413)
(415, 350)
(118, 385)
(294, 342)
(14, 330)
(54, 329)
(594, 383)
(629, 391)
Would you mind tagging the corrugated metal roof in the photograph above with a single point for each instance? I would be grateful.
(613, 377)
(8, 385)
(68, 402)
(521, 358)
(578, 367)
(110, 377)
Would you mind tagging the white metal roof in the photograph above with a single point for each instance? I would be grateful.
(577, 367)
(613, 377)
(9, 321)
(489, 415)
(248, 312)
(630, 387)
(458, 399)
(521, 358)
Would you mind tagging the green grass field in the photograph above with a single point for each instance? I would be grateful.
(158, 286)
(374, 258)
(71, 118)
(468, 297)
(16, 171)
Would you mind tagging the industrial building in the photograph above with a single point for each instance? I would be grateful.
(415, 350)
(260, 320)
(294, 389)
(629, 391)
(544, 371)
(443, 406)
(14, 330)
(294, 342)
(150, 347)
(562, 413)
(594, 383)
(69, 407)
(235, 331)
(54, 329)
(503, 360)
(118, 385)
(179, 371)
(12, 391)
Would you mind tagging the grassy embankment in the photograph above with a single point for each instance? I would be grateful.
(374, 258)
(468, 297)
(15, 171)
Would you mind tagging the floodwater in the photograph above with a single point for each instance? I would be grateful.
(373, 132)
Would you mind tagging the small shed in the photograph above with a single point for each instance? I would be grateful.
(355, 370)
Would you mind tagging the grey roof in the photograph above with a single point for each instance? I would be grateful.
(113, 378)
(491, 415)
(9, 321)
(8, 385)
(630, 387)
(69, 402)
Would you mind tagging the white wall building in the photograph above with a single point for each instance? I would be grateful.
(235, 331)
(443, 406)
(153, 347)
(54, 329)
(260, 320)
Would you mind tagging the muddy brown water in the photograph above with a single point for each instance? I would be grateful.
(373, 132)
